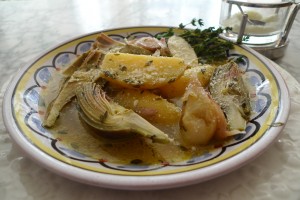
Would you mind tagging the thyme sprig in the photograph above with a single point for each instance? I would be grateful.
(208, 46)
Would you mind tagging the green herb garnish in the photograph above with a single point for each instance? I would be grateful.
(167, 34)
(110, 74)
(206, 43)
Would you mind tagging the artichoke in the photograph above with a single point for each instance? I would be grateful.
(230, 92)
(66, 93)
(100, 112)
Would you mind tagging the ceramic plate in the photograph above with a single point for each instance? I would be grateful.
(23, 113)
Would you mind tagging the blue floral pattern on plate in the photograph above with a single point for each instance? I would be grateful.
(43, 75)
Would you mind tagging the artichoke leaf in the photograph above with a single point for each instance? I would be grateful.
(67, 93)
(100, 112)
(86, 61)
(105, 43)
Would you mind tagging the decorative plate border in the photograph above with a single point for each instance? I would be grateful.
(36, 75)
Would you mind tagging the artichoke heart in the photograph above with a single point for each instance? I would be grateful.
(105, 115)
(230, 92)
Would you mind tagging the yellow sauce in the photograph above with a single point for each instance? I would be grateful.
(75, 134)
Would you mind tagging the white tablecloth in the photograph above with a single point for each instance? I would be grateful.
(29, 27)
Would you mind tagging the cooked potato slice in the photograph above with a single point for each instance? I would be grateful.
(150, 106)
(177, 88)
(182, 49)
(141, 71)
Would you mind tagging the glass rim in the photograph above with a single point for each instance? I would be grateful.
(260, 5)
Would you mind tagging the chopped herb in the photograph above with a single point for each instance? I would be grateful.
(172, 80)
(110, 75)
(148, 63)
(123, 68)
(128, 80)
(135, 83)
(203, 70)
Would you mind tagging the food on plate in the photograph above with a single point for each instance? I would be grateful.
(149, 105)
(141, 71)
(180, 48)
(161, 93)
(177, 88)
(202, 117)
(61, 89)
(67, 93)
(152, 45)
(230, 92)
(106, 43)
(209, 48)
(88, 60)
(139, 46)
(105, 115)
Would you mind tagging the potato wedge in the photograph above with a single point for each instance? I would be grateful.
(141, 71)
(182, 49)
(177, 88)
(150, 106)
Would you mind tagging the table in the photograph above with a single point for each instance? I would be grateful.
(29, 27)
